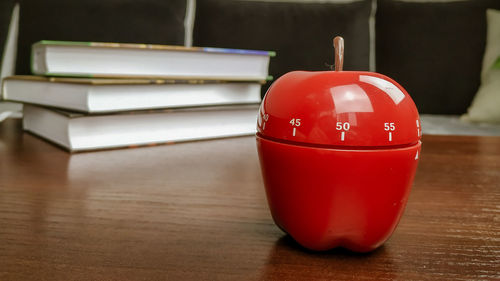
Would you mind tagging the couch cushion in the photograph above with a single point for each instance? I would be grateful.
(491, 57)
(6, 7)
(300, 33)
(433, 49)
(486, 104)
(127, 21)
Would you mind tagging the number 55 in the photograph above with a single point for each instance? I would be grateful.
(389, 126)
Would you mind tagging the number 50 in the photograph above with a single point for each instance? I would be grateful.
(346, 126)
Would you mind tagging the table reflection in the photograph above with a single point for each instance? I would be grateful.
(288, 260)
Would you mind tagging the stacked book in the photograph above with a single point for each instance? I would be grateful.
(87, 96)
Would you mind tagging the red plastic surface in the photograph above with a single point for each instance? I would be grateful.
(325, 198)
(339, 108)
(338, 152)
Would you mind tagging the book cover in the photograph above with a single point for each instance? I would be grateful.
(156, 47)
(79, 132)
(147, 61)
(92, 95)
(123, 81)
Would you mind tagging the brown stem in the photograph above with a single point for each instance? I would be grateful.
(338, 45)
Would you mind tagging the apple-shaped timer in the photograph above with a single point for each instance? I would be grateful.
(338, 152)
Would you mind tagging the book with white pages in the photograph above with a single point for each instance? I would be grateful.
(97, 59)
(111, 95)
(80, 132)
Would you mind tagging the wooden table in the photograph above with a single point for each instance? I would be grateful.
(198, 211)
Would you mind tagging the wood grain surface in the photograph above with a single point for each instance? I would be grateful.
(197, 211)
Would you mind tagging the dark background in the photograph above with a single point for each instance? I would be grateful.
(434, 50)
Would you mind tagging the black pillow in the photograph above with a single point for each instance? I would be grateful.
(434, 50)
(6, 7)
(125, 21)
(300, 33)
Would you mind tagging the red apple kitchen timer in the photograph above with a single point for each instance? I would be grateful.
(338, 152)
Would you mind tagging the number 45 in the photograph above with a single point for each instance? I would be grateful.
(295, 122)
(389, 126)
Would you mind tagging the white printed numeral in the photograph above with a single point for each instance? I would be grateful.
(418, 128)
(343, 126)
(295, 122)
(389, 126)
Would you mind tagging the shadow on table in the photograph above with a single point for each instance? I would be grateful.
(289, 261)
